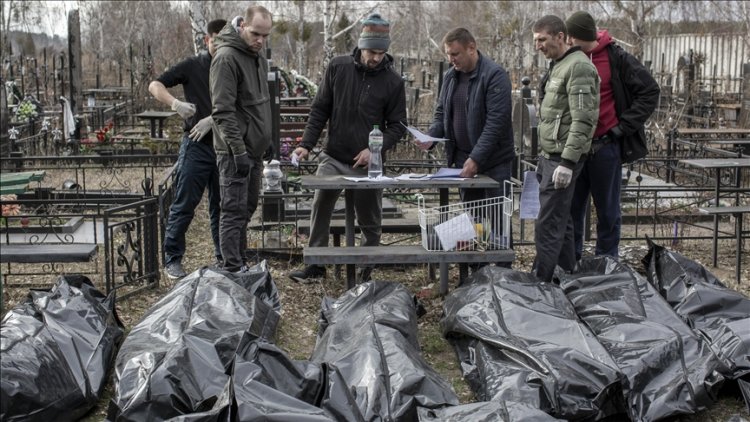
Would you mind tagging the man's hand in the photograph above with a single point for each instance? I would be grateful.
(362, 159)
(242, 163)
(562, 177)
(201, 128)
(301, 152)
(185, 110)
(424, 146)
(470, 169)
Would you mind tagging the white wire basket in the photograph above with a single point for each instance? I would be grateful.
(466, 226)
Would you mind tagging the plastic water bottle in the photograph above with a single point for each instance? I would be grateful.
(375, 168)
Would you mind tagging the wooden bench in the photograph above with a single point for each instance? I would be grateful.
(16, 183)
(403, 254)
(43, 253)
(305, 110)
(388, 225)
(737, 212)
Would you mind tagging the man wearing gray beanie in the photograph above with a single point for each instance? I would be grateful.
(358, 91)
(628, 96)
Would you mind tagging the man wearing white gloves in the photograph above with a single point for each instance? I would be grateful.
(196, 163)
(568, 115)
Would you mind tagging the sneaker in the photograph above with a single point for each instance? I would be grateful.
(309, 274)
(364, 274)
(175, 271)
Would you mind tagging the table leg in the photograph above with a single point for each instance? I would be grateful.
(444, 196)
(716, 217)
(351, 275)
(443, 278)
(738, 264)
(337, 267)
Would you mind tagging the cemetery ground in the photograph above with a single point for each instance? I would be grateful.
(301, 304)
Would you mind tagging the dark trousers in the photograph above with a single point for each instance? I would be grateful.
(368, 205)
(196, 171)
(553, 231)
(601, 177)
(239, 199)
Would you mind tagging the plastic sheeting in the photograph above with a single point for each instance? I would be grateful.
(519, 340)
(57, 349)
(670, 370)
(205, 353)
(178, 359)
(486, 411)
(721, 315)
(369, 335)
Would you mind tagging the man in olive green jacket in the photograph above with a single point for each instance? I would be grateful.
(242, 116)
(568, 116)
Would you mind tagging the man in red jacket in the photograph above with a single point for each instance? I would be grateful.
(628, 95)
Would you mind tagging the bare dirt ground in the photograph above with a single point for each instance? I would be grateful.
(301, 305)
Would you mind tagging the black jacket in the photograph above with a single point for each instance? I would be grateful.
(636, 95)
(352, 98)
(240, 97)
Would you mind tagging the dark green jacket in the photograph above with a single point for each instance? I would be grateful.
(570, 109)
(241, 106)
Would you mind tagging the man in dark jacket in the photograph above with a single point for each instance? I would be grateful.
(357, 92)
(628, 96)
(196, 169)
(474, 113)
(242, 131)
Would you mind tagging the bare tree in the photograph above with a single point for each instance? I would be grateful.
(198, 23)
(638, 13)
(330, 10)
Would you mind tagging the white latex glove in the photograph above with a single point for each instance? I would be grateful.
(201, 128)
(185, 110)
(562, 177)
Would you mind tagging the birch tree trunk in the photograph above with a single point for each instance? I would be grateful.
(327, 38)
(301, 54)
(198, 25)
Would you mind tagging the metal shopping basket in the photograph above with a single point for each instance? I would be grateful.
(467, 226)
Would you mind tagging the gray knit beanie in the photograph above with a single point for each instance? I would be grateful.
(582, 26)
(376, 33)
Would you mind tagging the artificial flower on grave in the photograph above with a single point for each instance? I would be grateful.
(26, 110)
(9, 210)
(104, 135)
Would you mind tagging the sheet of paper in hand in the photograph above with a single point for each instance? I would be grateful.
(421, 136)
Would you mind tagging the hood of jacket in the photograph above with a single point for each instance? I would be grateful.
(230, 38)
(604, 39)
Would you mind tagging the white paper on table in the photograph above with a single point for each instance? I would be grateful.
(529, 196)
(369, 179)
(457, 229)
(447, 172)
(423, 137)
(412, 176)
